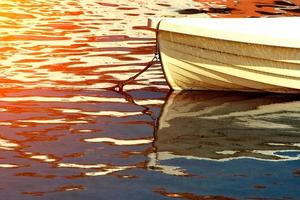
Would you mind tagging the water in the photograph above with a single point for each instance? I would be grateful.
(64, 135)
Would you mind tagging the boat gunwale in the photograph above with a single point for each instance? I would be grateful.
(187, 26)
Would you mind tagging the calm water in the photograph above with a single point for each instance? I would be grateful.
(64, 135)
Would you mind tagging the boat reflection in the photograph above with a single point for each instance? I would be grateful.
(222, 126)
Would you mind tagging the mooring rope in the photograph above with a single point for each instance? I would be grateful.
(120, 85)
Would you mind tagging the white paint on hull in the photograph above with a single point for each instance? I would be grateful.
(197, 63)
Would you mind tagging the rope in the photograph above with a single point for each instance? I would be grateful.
(120, 85)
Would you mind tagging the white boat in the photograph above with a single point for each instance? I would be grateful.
(241, 54)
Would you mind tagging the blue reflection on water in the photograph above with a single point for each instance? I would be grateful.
(289, 153)
(55, 58)
(242, 178)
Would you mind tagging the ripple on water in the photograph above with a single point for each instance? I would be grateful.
(63, 136)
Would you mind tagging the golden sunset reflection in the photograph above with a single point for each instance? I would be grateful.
(44, 158)
(102, 113)
(74, 165)
(52, 121)
(8, 165)
(7, 145)
(64, 99)
(120, 142)
(64, 134)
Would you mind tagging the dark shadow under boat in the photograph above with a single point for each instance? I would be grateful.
(224, 126)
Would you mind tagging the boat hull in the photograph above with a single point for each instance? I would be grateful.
(201, 63)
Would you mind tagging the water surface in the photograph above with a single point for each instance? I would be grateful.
(64, 135)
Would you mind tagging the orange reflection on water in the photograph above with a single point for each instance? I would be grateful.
(63, 44)
(248, 8)
(60, 132)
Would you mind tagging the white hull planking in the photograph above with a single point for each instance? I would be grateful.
(193, 62)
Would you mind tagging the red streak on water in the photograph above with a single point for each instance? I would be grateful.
(109, 4)
(257, 8)
(56, 56)
(31, 37)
